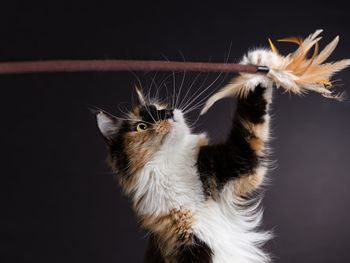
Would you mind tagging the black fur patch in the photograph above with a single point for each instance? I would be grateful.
(234, 157)
(150, 114)
(117, 148)
(199, 252)
(153, 253)
(253, 108)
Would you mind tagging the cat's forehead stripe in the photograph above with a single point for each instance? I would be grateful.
(161, 106)
(150, 113)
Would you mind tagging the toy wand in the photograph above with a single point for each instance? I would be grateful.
(122, 65)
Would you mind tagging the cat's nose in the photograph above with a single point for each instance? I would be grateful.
(170, 114)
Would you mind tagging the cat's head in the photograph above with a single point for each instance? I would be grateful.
(134, 140)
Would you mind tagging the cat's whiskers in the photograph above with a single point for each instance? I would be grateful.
(174, 91)
(156, 95)
(194, 107)
(147, 95)
(203, 91)
(182, 81)
(147, 108)
(225, 61)
(188, 90)
(201, 102)
(180, 89)
(125, 113)
(197, 90)
(172, 98)
(193, 125)
(191, 98)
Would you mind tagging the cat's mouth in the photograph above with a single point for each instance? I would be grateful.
(178, 116)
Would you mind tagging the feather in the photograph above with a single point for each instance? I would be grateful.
(273, 47)
(327, 51)
(295, 72)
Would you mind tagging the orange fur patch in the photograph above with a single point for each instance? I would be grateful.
(172, 229)
(140, 147)
(163, 127)
(257, 141)
(247, 184)
(257, 145)
(135, 114)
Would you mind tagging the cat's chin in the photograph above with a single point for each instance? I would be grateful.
(179, 128)
(178, 116)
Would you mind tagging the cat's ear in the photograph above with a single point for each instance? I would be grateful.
(140, 96)
(107, 124)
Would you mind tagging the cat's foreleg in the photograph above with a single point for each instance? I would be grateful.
(239, 165)
(249, 137)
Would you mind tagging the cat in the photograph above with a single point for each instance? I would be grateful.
(200, 201)
(192, 196)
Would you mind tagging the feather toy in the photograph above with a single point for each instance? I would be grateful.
(296, 72)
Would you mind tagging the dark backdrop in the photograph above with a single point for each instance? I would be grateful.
(59, 200)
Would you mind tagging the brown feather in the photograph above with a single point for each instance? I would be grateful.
(296, 72)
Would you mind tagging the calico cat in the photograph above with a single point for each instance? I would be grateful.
(193, 196)
(200, 201)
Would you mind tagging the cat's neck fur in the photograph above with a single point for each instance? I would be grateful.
(170, 180)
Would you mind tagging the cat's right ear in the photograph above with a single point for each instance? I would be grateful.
(107, 124)
(140, 96)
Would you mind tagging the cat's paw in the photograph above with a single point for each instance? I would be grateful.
(246, 82)
(261, 57)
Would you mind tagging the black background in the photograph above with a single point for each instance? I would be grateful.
(59, 200)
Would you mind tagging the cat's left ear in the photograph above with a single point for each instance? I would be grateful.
(107, 124)
(140, 96)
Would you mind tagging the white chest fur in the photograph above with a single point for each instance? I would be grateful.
(228, 230)
(171, 181)
(231, 232)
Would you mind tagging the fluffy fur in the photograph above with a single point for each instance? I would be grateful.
(200, 201)
(197, 207)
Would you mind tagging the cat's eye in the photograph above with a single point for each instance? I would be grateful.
(141, 126)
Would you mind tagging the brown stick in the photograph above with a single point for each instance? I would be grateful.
(121, 65)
